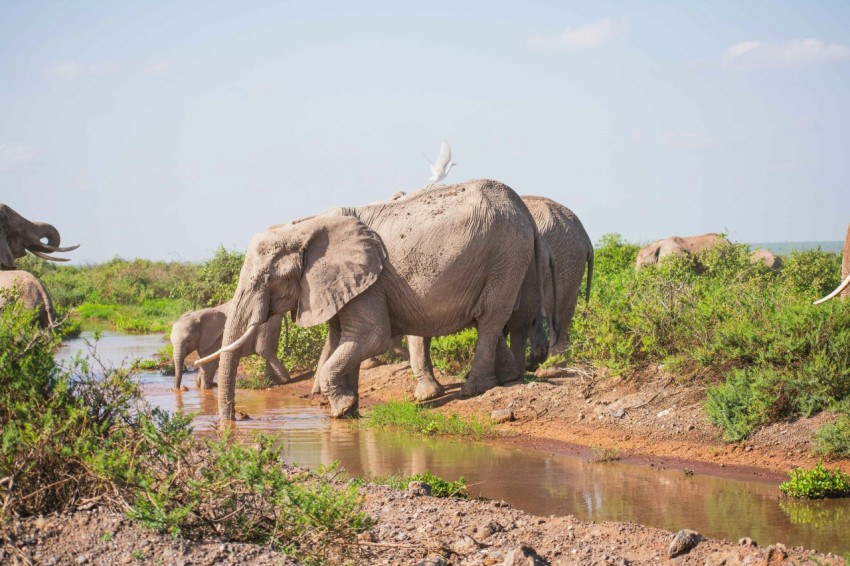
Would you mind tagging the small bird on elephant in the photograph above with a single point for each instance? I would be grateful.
(440, 168)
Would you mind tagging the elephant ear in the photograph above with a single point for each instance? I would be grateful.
(215, 323)
(342, 258)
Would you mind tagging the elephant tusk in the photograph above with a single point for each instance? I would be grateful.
(55, 249)
(230, 347)
(47, 257)
(834, 293)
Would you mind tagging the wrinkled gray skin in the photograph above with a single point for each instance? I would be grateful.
(32, 293)
(652, 254)
(767, 258)
(572, 249)
(19, 236)
(202, 331)
(427, 264)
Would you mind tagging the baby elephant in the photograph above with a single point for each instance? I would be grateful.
(202, 330)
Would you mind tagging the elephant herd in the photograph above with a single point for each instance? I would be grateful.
(424, 264)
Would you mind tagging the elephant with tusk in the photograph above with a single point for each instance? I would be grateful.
(843, 289)
(202, 331)
(428, 264)
(19, 236)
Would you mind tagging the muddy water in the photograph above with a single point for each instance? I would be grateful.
(536, 482)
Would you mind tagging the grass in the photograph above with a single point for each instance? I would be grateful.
(817, 483)
(75, 437)
(439, 487)
(833, 439)
(600, 453)
(410, 417)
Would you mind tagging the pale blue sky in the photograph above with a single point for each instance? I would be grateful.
(163, 129)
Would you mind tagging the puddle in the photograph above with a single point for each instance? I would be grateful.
(530, 480)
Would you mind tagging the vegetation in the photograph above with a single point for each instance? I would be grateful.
(73, 438)
(817, 483)
(601, 453)
(439, 486)
(833, 439)
(410, 417)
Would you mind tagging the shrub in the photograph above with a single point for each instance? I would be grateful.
(817, 483)
(216, 283)
(812, 272)
(453, 354)
(601, 453)
(439, 486)
(410, 417)
(78, 438)
(833, 439)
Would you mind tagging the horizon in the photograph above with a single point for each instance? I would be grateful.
(162, 131)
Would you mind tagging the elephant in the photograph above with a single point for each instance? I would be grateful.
(32, 292)
(572, 249)
(19, 236)
(843, 290)
(654, 252)
(766, 258)
(428, 264)
(202, 330)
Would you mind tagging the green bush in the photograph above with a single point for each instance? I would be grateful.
(817, 483)
(453, 354)
(439, 486)
(812, 272)
(216, 283)
(70, 438)
(410, 417)
(832, 440)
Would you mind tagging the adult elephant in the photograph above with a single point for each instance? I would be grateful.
(31, 291)
(652, 254)
(843, 289)
(572, 250)
(202, 331)
(19, 236)
(427, 264)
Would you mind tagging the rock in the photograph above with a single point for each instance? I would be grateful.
(683, 542)
(366, 536)
(776, 553)
(523, 556)
(435, 561)
(465, 545)
(487, 529)
(81, 559)
(619, 413)
(419, 488)
(747, 541)
(550, 372)
(663, 413)
(502, 416)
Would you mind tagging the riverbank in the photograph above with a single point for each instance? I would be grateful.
(649, 417)
(410, 528)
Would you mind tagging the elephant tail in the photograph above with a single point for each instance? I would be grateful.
(589, 276)
(546, 271)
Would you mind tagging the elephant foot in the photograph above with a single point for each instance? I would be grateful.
(371, 363)
(472, 387)
(427, 390)
(343, 406)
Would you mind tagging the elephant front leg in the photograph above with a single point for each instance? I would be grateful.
(427, 386)
(331, 342)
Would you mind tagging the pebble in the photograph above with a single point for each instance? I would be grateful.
(81, 559)
(747, 541)
(502, 416)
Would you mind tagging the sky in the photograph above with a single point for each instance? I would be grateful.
(163, 130)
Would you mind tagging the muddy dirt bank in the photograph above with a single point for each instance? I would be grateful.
(411, 528)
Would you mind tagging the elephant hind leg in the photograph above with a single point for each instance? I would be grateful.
(427, 386)
(482, 376)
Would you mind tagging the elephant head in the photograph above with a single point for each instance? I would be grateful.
(19, 236)
(312, 268)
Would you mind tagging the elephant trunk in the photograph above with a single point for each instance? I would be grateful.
(45, 230)
(179, 357)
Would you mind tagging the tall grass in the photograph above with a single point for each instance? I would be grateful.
(410, 417)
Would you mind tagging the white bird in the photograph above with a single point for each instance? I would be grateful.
(441, 167)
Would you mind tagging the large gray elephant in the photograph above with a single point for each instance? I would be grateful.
(571, 249)
(202, 331)
(19, 236)
(428, 264)
(32, 293)
(652, 254)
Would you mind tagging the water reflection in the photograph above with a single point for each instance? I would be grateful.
(534, 481)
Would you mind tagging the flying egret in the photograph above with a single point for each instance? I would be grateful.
(441, 167)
